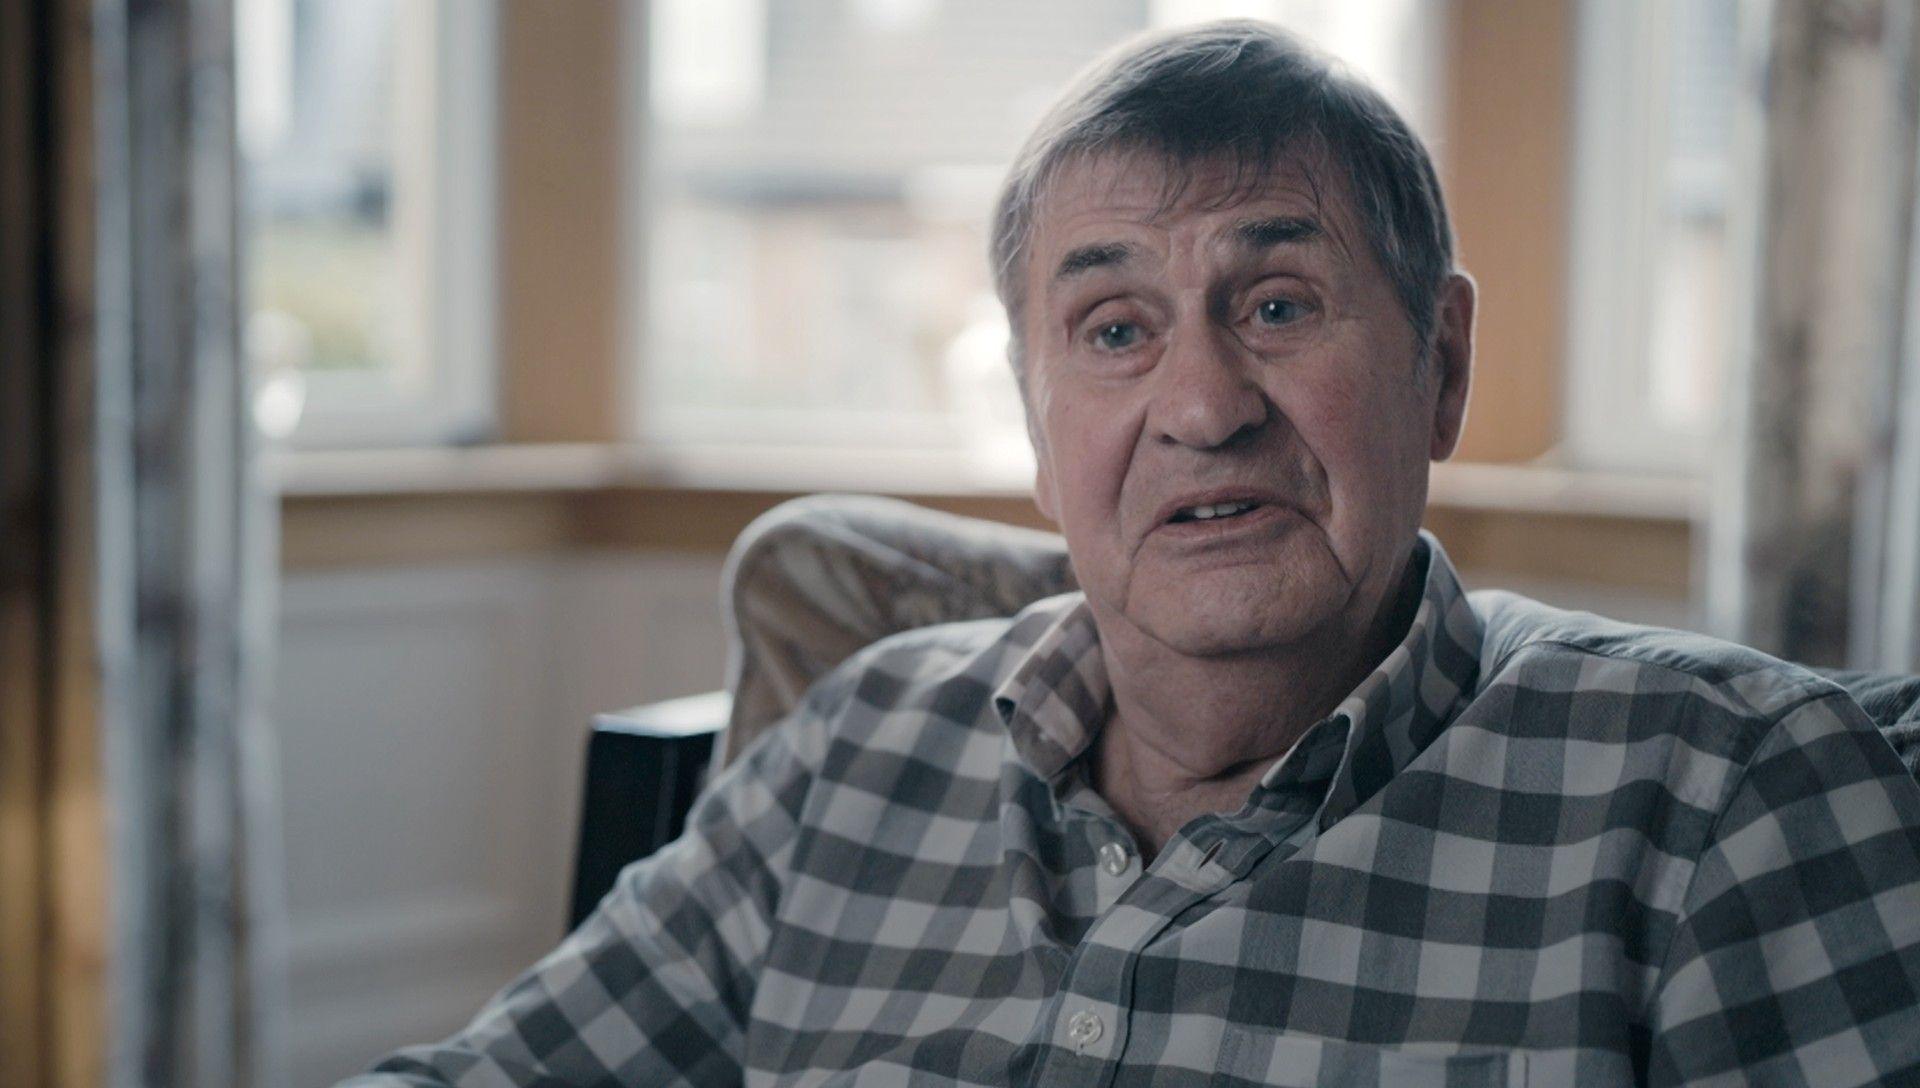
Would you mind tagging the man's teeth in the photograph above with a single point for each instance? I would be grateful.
(1218, 510)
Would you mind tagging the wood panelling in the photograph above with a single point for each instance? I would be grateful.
(560, 188)
(432, 721)
(425, 855)
(1641, 555)
(374, 529)
(698, 520)
(1646, 554)
(341, 531)
(1507, 144)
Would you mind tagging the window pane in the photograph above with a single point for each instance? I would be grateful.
(1688, 330)
(317, 110)
(367, 140)
(820, 175)
(1648, 318)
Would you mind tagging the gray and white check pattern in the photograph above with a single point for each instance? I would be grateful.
(1545, 850)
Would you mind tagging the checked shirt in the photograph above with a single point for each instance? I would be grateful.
(1532, 847)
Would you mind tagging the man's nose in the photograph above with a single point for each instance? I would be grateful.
(1207, 395)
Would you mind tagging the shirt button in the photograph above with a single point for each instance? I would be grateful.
(1084, 1029)
(1113, 858)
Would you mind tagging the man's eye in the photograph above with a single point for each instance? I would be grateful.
(1278, 311)
(1117, 335)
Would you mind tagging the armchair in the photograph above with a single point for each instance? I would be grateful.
(805, 586)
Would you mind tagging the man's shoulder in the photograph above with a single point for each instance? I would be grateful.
(1659, 729)
(1599, 678)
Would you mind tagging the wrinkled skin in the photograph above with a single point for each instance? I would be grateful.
(1204, 360)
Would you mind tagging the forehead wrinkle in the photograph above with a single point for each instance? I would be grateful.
(1116, 183)
(1291, 182)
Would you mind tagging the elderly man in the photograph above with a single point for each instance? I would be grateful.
(1265, 803)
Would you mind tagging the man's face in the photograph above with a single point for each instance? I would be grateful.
(1223, 351)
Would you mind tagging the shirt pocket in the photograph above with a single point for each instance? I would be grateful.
(1299, 1061)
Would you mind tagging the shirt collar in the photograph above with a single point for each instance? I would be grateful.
(1413, 693)
(1056, 697)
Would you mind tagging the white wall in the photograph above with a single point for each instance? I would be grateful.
(431, 724)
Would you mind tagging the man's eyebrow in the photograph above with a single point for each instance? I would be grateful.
(1089, 257)
(1277, 230)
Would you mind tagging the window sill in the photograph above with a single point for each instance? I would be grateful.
(571, 468)
(371, 507)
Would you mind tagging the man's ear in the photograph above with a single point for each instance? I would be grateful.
(1044, 495)
(1451, 358)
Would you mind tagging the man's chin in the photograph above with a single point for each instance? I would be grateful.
(1203, 625)
(1207, 611)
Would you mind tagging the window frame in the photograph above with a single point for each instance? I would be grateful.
(686, 434)
(906, 438)
(1623, 79)
(445, 391)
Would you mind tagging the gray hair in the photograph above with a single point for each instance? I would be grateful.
(1247, 92)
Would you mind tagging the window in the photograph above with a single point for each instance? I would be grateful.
(1649, 312)
(815, 183)
(366, 132)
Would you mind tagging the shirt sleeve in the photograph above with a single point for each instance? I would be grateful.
(1795, 959)
(654, 987)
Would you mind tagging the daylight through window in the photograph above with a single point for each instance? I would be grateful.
(818, 177)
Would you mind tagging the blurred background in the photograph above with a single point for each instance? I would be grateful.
(509, 315)
(748, 235)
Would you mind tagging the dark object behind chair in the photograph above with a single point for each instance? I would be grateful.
(644, 768)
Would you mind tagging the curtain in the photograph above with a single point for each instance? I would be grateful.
(183, 560)
(1812, 548)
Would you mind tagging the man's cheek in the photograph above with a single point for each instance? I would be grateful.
(1351, 426)
(1335, 402)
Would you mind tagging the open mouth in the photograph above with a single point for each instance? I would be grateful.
(1214, 512)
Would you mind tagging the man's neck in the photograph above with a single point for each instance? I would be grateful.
(1187, 736)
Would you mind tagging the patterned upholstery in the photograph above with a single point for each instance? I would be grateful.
(815, 579)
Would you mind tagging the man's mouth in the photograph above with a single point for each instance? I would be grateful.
(1212, 512)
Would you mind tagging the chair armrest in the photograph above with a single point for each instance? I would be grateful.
(644, 767)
